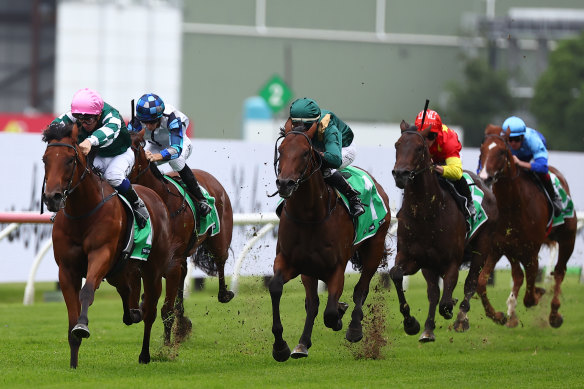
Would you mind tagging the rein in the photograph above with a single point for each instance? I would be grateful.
(414, 173)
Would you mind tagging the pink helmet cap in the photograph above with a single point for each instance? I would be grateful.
(87, 101)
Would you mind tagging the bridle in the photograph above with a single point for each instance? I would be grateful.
(414, 173)
(311, 162)
(70, 189)
(499, 173)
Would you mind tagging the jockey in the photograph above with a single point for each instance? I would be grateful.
(444, 148)
(165, 133)
(333, 143)
(101, 126)
(527, 145)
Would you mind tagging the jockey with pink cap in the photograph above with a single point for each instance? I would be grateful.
(101, 126)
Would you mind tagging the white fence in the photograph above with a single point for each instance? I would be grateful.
(268, 220)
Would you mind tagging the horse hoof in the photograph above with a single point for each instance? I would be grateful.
(446, 312)
(411, 326)
(183, 329)
(500, 318)
(282, 354)
(342, 309)
(354, 335)
(144, 359)
(427, 336)
(225, 297)
(332, 320)
(513, 321)
(461, 325)
(81, 331)
(556, 320)
(300, 351)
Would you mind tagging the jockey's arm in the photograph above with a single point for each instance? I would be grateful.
(175, 134)
(453, 169)
(332, 154)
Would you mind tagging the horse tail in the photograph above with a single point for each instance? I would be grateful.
(205, 260)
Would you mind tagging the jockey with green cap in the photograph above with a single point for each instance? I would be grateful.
(333, 142)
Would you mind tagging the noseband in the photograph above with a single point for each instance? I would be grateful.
(68, 190)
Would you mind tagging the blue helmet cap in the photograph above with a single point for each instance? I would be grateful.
(515, 124)
(149, 108)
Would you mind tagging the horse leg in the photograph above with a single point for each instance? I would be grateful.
(129, 292)
(70, 288)
(488, 268)
(360, 292)
(173, 278)
(280, 349)
(517, 275)
(532, 293)
(470, 286)
(411, 325)
(184, 325)
(152, 289)
(311, 303)
(446, 307)
(433, 292)
(225, 295)
(335, 284)
(566, 247)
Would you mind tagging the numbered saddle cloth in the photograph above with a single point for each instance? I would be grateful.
(211, 221)
(567, 203)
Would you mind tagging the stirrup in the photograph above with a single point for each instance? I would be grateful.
(140, 213)
(557, 207)
(356, 208)
(203, 207)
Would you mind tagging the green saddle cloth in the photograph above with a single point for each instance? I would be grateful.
(477, 197)
(567, 203)
(142, 241)
(375, 210)
(211, 221)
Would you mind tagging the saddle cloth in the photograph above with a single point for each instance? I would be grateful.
(211, 221)
(567, 203)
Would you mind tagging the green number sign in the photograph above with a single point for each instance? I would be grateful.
(276, 93)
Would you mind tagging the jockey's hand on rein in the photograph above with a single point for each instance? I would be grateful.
(85, 146)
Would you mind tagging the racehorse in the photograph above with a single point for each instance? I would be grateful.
(523, 228)
(210, 251)
(89, 235)
(315, 240)
(431, 235)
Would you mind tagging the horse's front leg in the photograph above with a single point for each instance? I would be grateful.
(184, 326)
(433, 292)
(174, 281)
(70, 286)
(532, 293)
(478, 258)
(517, 275)
(152, 279)
(311, 303)
(332, 314)
(411, 325)
(447, 303)
(129, 290)
(488, 268)
(355, 330)
(280, 349)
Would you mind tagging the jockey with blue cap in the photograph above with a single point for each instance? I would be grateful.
(333, 142)
(528, 147)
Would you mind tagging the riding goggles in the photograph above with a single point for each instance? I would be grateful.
(85, 118)
(516, 138)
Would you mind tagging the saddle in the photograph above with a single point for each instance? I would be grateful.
(460, 200)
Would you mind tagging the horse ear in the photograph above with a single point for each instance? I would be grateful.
(312, 130)
(493, 130)
(288, 126)
(426, 131)
(75, 132)
(403, 126)
(507, 133)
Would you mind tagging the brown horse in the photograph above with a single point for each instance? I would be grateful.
(431, 234)
(523, 228)
(315, 240)
(210, 252)
(89, 235)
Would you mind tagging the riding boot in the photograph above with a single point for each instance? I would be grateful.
(549, 187)
(193, 187)
(138, 206)
(464, 189)
(337, 181)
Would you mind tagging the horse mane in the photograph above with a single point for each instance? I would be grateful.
(57, 131)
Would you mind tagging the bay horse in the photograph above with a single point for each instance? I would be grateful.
(210, 252)
(522, 229)
(89, 235)
(315, 240)
(431, 235)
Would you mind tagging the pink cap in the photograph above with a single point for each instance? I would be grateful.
(87, 101)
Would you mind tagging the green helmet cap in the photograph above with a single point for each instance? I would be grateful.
(304, 110)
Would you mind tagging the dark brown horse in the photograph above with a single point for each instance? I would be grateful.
(89, 235)
(431, 235)
(210, 251)
(315, 240)
(523, 227)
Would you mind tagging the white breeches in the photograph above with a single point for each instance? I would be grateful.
(176, 164)
(117, 168)
(348, 155)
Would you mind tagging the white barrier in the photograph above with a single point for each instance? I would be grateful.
(269, 220)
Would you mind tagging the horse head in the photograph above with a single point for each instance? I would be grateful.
(295, 159)
(412, 155)
(495, 157)
(61, 159)
(141, 163)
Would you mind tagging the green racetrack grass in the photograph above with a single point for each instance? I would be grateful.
(231, 343)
